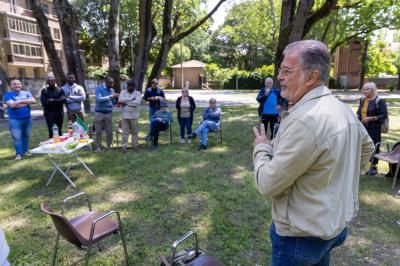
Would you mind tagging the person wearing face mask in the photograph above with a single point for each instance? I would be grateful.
(52, 99)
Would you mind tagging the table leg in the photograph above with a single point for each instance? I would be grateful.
(61, 171)
(84, 165)
(54, 171)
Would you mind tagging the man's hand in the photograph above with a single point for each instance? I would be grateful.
(260, 137)
(367, 119)
(115, 95)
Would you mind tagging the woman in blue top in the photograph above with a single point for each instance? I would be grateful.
(19, 117)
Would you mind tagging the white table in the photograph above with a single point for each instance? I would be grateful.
(64, 154)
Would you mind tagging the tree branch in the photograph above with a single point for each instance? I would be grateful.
(182, 35)
(319, 14)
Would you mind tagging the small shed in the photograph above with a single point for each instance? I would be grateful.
(193, 74)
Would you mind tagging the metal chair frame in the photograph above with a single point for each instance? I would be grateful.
(388, 152)
(94, 222)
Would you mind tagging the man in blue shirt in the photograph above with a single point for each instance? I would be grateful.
(105, 99)
(270, 101)
(19, 117)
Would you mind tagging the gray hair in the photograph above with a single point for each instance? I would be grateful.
(212, 100)
(371, 86)
(314, 55)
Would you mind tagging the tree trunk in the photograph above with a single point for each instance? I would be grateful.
(69, 24)
(3, 87)
(398, 80)
(363, 63)
(47, 39)
(295, 27)
(113, 44)
(169, 40)
(146, 34)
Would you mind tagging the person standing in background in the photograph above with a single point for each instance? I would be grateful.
(75, 96)
(19, 117)
(52, 99)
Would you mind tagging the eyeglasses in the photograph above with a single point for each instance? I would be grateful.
(287, 71)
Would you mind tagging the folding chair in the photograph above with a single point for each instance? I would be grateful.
(188, 257)
(169, 133)
(392, 158)
(218, 130)
(86, 229)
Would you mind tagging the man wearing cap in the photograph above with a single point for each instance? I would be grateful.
(130, 100)
(75, 96)
(160, 121)
(52, 99)
(154, 95)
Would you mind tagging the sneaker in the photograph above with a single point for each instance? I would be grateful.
(398, 223)
(372, 171)
(27, 154)
(18, 157)
(123, 149)
(193, 136)
(202, 147)
(148, 138)
(189, 141)
(154, 148)
(135, 147)
(182, 141)
(97, 150)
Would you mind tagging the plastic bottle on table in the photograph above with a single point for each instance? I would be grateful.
(77, 134)
(70, 129)
(56, 136)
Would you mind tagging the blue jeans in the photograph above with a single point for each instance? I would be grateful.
(185, 122)
(204, 128)
(20, 130)
(152, 110)
(302, 250)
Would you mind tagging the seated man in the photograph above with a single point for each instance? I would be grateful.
(211, 122)
(159, 122)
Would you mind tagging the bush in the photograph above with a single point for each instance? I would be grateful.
(392, 86)
(96, 72)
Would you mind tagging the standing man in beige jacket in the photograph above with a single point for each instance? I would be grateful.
(130, 100)
(311, 169)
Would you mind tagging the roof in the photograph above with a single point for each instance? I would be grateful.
(191, 63)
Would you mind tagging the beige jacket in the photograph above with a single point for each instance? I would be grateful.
(311, 171)
(130, 104)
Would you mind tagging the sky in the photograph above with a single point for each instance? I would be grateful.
(220, 14)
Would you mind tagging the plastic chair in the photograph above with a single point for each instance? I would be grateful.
(86, 229)
(392, 158)
(189, 257)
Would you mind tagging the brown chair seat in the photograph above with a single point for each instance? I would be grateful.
(206, 261)
(388, 157)
(83, 223)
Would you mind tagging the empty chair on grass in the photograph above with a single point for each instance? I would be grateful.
(86, 229)
(211, 122)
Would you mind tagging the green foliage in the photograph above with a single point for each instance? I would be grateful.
(96, 72)
(380, 61)
(247, 80)
(248, 37)
(174, 57)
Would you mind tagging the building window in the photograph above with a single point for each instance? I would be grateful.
(13, 6)
(28, 4)
(36, 72)
(45, 8)
(21, 49)
(56, 34)
(33, 51)
(15, 49)
(21, 72)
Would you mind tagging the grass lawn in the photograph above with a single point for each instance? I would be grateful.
(163, 194)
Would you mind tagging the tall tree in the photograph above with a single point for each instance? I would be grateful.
(69, 26)
(113, 43)
(48, 42)
(147, 32)
(171, 34)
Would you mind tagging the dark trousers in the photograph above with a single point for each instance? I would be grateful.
(185, 122)
(271, 120)
(288, 251)
(375, 134)
(155, 127)
(54, 118)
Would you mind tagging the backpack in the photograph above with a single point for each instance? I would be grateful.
(385, 123)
